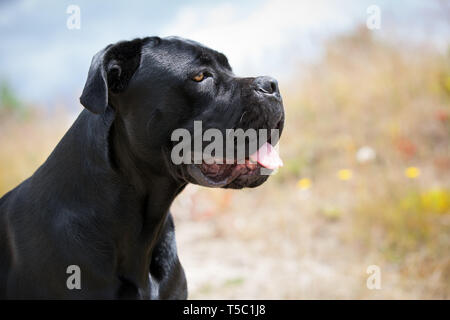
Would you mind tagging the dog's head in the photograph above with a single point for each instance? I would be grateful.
(163, 89)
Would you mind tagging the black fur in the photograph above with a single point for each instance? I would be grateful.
(101, 200)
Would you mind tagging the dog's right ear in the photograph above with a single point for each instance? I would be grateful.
(111, 70)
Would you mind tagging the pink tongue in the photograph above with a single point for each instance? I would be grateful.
(267, 156)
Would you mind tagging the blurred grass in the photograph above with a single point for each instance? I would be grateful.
(394, 98)
(329, 210)
(27, 136)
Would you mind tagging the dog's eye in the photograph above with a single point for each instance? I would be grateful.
(199, 77)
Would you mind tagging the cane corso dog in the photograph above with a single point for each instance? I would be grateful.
(93, 221)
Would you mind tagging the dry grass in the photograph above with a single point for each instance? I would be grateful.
(25, 143)
(316, 238)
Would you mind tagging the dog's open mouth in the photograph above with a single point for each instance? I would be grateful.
(218, 173)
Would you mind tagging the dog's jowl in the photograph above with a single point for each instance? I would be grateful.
(101, 200)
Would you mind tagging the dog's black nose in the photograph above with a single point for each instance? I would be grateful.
(267, 85)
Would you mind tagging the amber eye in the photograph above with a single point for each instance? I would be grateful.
(199, 77)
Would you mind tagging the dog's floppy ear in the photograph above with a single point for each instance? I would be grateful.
(95, 92)
(110, 71)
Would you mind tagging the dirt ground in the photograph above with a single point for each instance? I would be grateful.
(260, 244)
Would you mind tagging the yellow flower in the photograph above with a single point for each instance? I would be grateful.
(436, 200)
(345, 174)
(304, 184)
(447, 83)
(412, 172)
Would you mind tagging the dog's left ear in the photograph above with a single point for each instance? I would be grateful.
(110, 72)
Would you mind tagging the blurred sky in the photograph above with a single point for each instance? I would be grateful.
(46, 63)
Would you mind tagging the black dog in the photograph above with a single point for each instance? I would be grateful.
(101, 200)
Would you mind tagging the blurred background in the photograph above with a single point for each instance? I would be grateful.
(366, 144)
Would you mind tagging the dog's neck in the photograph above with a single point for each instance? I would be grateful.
(132, 203)
(112, 174)
(140, 172)
(151, 181)
(149, 188)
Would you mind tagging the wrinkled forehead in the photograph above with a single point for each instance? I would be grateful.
(182, 54)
